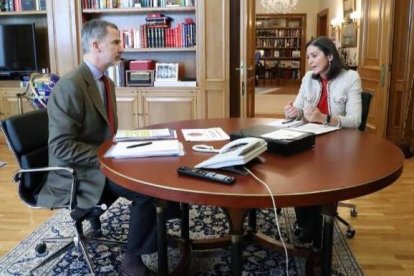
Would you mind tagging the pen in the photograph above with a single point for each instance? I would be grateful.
(139, 145)
(288, 121)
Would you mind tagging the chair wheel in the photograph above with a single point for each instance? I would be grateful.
(350, 233)
(40, 248)
(354, 212)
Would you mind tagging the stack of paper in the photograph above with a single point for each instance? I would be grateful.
(145, 134)
(205, 134)
(145, 149)
(283, 134)
(285, 123)
(315, 128)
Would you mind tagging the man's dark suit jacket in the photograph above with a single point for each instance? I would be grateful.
(78, 125)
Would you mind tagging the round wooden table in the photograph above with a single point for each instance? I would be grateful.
(343, 164)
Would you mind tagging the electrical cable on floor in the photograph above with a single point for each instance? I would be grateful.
(276, 216)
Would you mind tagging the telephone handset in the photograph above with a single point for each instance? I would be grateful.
(237, 152)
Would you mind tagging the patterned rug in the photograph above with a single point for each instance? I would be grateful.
(204, 222)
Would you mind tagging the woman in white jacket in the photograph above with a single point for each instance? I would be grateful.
(331, 95)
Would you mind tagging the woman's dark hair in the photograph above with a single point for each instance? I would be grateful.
(327, 46)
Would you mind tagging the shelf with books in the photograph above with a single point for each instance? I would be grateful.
(22, 13)
(280, 41)
(161, 34)
(22, 5)
(140, 10)
(143, 50)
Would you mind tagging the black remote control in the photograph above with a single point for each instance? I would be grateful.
(212, 176)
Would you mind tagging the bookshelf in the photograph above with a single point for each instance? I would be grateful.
(24, 12)
(280, 40)
(163, 43)
(39, 18)
(207, 61)
(173, 41)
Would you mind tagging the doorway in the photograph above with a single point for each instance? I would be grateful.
(322, 23)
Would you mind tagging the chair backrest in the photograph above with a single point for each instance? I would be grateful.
(27, 137)
(366, 101)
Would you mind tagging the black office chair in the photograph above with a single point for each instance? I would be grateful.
(366, 101)
(27, 137)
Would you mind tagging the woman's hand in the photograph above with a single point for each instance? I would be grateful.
(313, 115)
(291, 111)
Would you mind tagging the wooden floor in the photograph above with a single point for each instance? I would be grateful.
(383, 245)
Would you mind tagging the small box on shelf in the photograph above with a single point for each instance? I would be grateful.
(142, 65)
(139, 77)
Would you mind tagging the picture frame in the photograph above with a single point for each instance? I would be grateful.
(349, 35)
(166, 71)
(349, 6)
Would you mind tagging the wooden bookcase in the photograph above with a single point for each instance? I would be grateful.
(39, 18)
(142, 106)
(129, 19)
(207, 61)
(280, 40)
(9, 89)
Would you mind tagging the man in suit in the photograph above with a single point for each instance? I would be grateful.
(82, 115)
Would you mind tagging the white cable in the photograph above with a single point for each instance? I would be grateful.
(276, 217)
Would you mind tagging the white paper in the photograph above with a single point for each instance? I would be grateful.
(155, 148)
(315, 128)
(285, 123)
(144, 134)
(283, 134)
(205, 134)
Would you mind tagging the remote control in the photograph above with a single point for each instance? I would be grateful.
(216, 177)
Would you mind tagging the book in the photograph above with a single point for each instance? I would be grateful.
(28, 5)
(144, 134)
(145, 149)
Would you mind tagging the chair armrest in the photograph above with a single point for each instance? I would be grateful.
(70, 171)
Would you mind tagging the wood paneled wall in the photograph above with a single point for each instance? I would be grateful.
(400, 112)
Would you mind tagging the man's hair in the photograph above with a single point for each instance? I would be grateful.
(327, 46)
(94, 29)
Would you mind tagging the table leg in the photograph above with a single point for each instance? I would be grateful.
(236, 218)
(185, 227)
(252, 221)
(162, 238)
(329, 213)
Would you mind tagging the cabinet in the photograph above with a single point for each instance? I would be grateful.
(9, 103)
(168, 106)
(143, 107)
(280, 45)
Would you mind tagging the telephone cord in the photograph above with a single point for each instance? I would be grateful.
(276, 217)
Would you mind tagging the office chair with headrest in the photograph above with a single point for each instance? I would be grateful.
(27, 137)
(366, 101)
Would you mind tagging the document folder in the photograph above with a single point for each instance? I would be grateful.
(278, 146)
